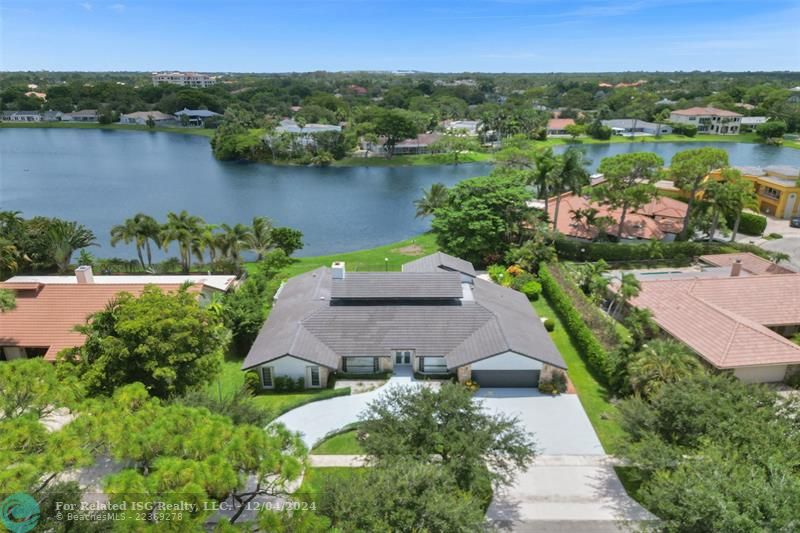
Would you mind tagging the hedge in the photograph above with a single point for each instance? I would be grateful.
(750, 224)
(643, 250)
(588, 345)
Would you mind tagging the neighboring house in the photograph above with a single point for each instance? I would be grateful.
(303, 134)
(22, 116)
(421, 144)
(140, 118)
(197, 117)
(49, 307)
(435, 317)
(744, 262)
(666, 101)
(52, 116)
(185, 79)
(738, 324)
(776, 188)
(709, 120)
(84, 115)
(558, 126)
(751, 123)
(630, 127)
(357, 90)
(794, 97)
(40, 96)
(661, 219)
(460, 127)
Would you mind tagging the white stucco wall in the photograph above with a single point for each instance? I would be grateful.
(293, 368)
(507, 361)
(761, 374)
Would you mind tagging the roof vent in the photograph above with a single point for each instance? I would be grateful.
(84, 274)
(338, 270)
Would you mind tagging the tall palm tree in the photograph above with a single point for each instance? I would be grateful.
(235, 239)
(260, 237)
(629, 287)
(432, 199)
(569, 175)
(64, 238)
(658, 363)
(150, 230)
(209, 240)
(128, 232)
(183, 229)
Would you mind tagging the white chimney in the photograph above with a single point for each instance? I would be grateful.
(338, 270)
(84, 274)
(736, 268)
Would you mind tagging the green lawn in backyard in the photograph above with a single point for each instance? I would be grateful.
(202, 132)
(373, 259)
(345, 443)
(594, 396)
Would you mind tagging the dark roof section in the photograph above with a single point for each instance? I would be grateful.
(438, 262)
(487, 321)
(397, 286)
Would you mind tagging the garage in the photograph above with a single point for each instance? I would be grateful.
(508, 369)
(506, 378)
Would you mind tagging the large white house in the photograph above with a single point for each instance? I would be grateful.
(185, 79)
(709, 120)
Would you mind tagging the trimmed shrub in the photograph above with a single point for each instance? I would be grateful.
(284, 384)
(532, 289)
(550, 324)
(252, 382)
(588, 345)
(688, 130)
(750, 224)
(641, 251)
(497, 273)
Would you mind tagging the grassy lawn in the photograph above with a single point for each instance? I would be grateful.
(373, 259)
(740, 138)
(594, 397)
(345, 443)
(202, 132)
(414, 160)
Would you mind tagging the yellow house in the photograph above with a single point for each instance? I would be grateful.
(777, 188)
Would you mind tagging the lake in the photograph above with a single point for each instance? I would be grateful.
(101, 177)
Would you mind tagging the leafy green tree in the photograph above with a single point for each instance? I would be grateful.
(660, 362)
(455, 145)
(479, 220)
(536, 250)
(150, 122)
(183, 229)
(235, 239)
(575, 130)
(287, 239)
(773, 129)
(395, 125)
(64, 238)
(402, 495)
(164, 340)
(432, 199)
(538, 165)
(688, 170)
(629, 182)
(738, 195)
(448, 429)
(596, 130)
(8, 301)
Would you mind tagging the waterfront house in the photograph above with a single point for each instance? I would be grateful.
(751, 123)
(197, 117)
(52, 116)
(631, 127)
(558, 126)
(49, 307)
(140, 118)
(421, 144)
(22, 116)
(434, 318)
(461, 127)
(776, 188)
(709, 120)
(84, 115)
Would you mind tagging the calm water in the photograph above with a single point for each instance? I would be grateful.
(101, 177)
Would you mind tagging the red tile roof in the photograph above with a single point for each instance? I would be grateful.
(701, 111)
(559, 123)
(724, 319)
(751, 263)
(46, 315)
(652, 221)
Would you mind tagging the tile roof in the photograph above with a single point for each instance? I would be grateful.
(559, 123)
(220, 282)
(397, 286)
(750, 263)
(46, 318)
(156, 115)
(703, 111)
(305, 323)
(724, 319)
(440, 261)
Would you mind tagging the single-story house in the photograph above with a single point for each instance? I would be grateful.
(558, 126)
(84, 115)
(461, 127)
(631, 127)
(197, 117)
(434, 317)
(744, 262)
(738, 324)
(22, 116)
(751, 123)
(661, 219)
(421, 144)
(49, 307)
(140, 118)
(52, 116)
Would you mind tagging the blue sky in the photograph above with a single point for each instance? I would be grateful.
(432, 35)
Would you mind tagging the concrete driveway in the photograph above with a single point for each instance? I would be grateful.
(572, 485)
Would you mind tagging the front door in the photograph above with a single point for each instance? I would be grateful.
(402, 357)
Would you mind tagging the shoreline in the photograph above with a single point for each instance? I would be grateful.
(197, 132)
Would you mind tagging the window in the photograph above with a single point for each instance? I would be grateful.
(314, 376)
(266, 377)
(770, 192)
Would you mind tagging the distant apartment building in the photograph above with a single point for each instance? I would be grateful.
(709, 120)
(184, 79)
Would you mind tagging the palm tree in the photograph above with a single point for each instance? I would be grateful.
(660, 362)
(128, 232)
(235, 239)
(208, 240)
(569, 175)
(432, 199)
(260, 238)
(150, 230)
(64, 238)
(183, 229)
(628, 288)
(545, 165)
